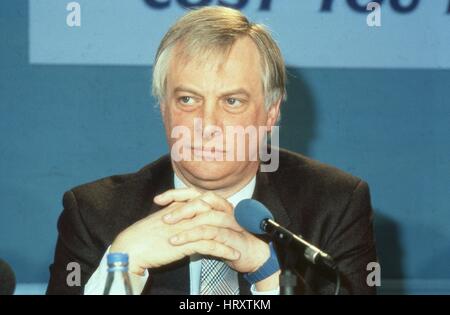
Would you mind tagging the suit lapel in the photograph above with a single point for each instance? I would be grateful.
(267, 194)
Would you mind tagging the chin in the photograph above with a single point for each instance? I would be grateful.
(210, 173)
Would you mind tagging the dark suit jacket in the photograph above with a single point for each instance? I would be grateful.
(329, 208)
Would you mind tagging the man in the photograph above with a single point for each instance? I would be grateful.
(174, 217)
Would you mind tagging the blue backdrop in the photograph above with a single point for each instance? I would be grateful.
(66, 124)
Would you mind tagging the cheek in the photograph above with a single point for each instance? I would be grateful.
(255, 116)
(177, 117)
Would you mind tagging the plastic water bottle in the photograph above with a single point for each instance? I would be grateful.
(118, 280)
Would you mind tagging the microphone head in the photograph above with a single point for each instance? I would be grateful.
(250, 213)
(7, 279)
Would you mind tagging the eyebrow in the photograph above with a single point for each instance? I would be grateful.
(183, 88)
(237, 91)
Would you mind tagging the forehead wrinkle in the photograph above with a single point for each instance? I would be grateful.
(212, 60)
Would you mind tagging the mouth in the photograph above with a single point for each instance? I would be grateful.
(207, 150)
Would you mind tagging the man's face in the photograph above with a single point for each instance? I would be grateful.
(218, 91)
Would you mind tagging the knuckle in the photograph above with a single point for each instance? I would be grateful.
(210, 233)
(225, 234)
(203, 229)
(182, 211)
(220, 235)
(215, 231)
(207, 218)
(212, 246)
(210, 215)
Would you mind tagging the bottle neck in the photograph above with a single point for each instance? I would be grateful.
(118, 281)
(118, 269)
(118, 266)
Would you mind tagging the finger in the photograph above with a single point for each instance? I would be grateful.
(211, 248)
(201, 204)
(181, 194)
(217, 202)
(187, 211)
(206, 232)
(215, 218)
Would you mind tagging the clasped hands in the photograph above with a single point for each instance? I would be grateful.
(190, 223)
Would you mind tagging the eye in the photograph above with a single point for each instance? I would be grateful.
(186, 100)
(234, 102)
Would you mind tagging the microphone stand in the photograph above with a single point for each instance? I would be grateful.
(283, 239)
(287, 258)
(288, 278)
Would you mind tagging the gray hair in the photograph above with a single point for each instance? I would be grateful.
(214, 30)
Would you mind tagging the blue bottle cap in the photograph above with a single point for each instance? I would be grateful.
(114, 258)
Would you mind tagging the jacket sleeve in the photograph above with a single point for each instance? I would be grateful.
(352, 242)
(76, 255)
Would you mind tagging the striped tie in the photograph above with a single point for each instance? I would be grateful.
(217, 278)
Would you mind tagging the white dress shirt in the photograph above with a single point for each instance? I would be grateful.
(96, 283)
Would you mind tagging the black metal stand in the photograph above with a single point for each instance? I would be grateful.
(288, 278)
(288, 282)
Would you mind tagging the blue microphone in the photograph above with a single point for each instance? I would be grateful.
(250, 213)
(253, 216)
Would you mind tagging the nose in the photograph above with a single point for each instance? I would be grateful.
(211, 121)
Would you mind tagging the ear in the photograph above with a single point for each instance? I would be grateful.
(162, 108)
(272, 114)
